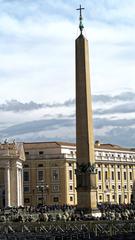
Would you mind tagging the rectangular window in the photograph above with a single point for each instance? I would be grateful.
(113, 197)
(70, 175)
(112, 175)
(40, 165)
(41, 152)
(26, 189)
(40, 175)
(99, 175)
(56, 199)
(55, 174)
(71, 199)
(100, 197)
(106, 175)
(125, 176)
(72, 153)
(118, 175)
(70, 187)
(130, 175)
(26, 176)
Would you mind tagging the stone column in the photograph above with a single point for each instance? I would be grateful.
(7, 186)
(133, 188)
(127, 200)
(103, 182)
(116, 183)
(22, 191)
(122, 183)
(19, 187)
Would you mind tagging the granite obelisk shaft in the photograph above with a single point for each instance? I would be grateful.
(86, 174)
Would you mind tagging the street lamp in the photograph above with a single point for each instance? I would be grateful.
(42, 189)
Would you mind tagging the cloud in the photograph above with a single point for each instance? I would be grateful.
(16, 106)
(122, 108)
(106, 122)
(124, 96)
(64, 130)
(36, 126)
(37, 47)
(118, 135)
(37, 67)
(121, 103)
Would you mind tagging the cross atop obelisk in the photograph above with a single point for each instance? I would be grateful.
(80, 18)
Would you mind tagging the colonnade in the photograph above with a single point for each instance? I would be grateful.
(11, 185)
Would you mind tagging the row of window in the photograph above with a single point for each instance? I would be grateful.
(114, 187)
(55, 188)
(42, 152)
(40, 199)
(113, 197)
(115, 155)
(41, 165)
(40, 175)
(112, 166)
(106, 174)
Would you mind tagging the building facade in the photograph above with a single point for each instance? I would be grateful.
(115, 173)
(44, 173)
(49, 173)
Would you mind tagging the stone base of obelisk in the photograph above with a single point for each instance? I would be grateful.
(87, 201)
(86, 197)
(88, 212)
(95, 212)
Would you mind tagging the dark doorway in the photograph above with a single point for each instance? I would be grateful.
(120, 200)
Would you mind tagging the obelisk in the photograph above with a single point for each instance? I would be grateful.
(86, 172)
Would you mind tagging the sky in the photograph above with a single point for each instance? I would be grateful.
(37, 69)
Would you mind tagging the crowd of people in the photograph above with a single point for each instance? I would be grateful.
(66, 213)
(117, 211)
